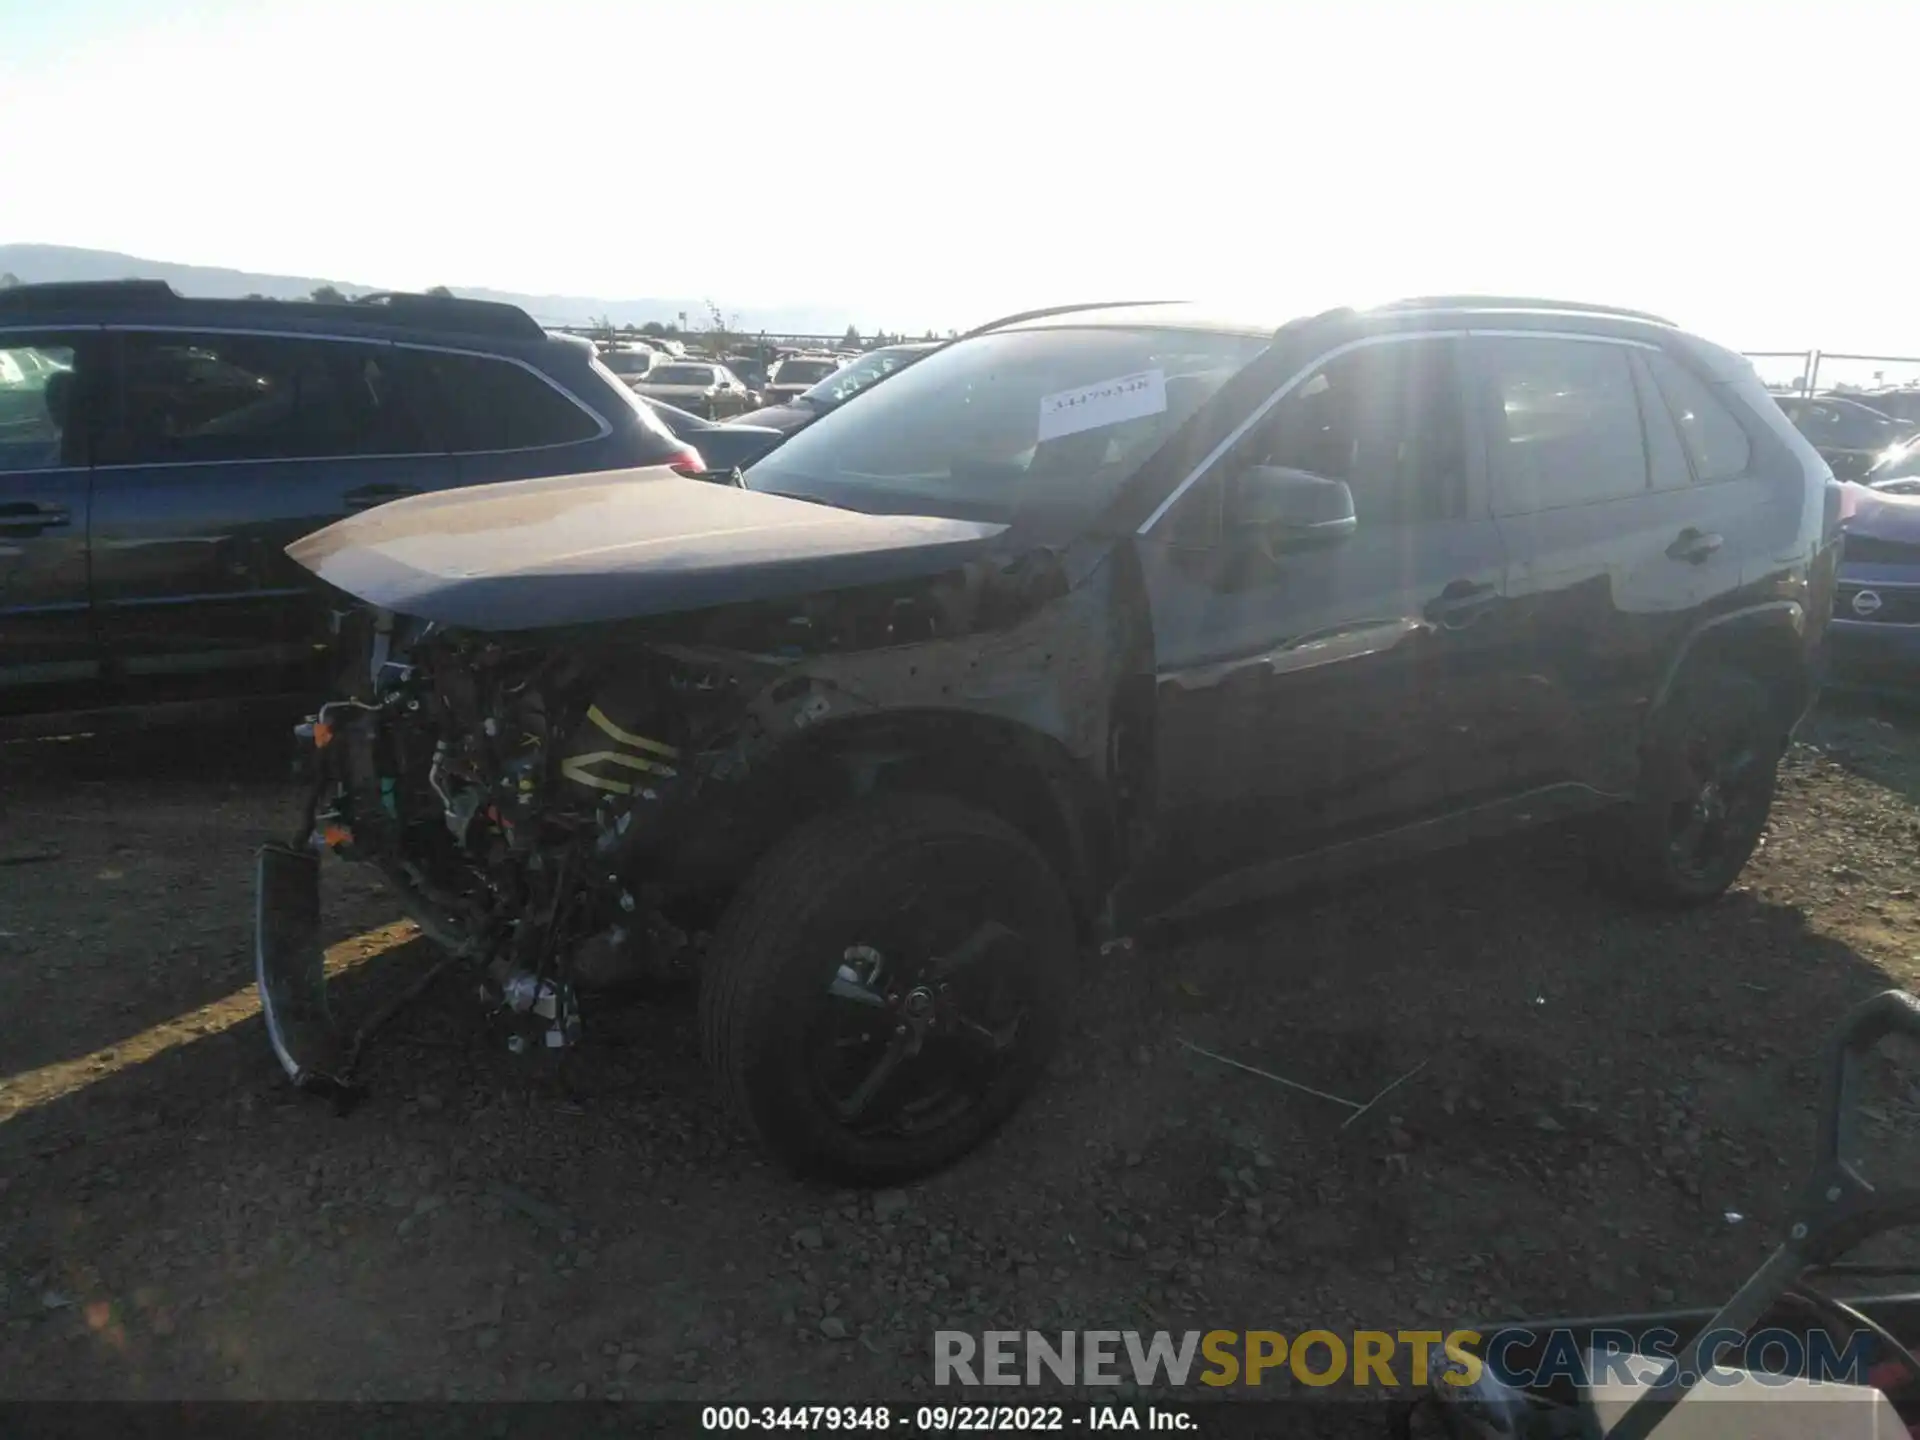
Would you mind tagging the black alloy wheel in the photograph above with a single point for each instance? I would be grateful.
(887, 986)
(904, 1046)
(1725, 792)
(1707, 782)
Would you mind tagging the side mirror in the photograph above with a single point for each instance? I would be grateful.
(1280, 509)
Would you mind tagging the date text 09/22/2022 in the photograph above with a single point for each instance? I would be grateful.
(931, 1419)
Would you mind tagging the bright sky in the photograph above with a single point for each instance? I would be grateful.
(1743, 168)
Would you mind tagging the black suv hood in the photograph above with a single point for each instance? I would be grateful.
(618, 545)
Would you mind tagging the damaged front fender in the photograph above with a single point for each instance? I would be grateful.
(570, 808)
(1013, 702)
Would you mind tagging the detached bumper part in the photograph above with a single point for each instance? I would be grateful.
(290, 967)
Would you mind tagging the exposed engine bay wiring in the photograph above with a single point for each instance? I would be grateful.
(568, 812)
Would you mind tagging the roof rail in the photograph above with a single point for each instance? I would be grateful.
(76, 292)
(1300, 322)
(438, 312)
(479, 317)
(1042, 314)
(1517, 302)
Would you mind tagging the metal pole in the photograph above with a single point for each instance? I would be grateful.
(1752, 1301)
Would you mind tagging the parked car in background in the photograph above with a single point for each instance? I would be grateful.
(1092, 615)
(629, 361)
(838, 387)
(1901, 403)
(723, 444)
(1874, 641)
(796, 374)
(705, 388)
(751, 369)
(1851, 437)
(158, 453)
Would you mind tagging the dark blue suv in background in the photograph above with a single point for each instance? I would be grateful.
(158, 453)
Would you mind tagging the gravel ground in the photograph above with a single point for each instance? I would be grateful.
(1598, 1092)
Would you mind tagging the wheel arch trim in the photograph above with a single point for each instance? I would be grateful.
(1773, 617)
(968, 755)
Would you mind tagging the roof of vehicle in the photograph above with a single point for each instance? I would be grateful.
(133, 301)
(1134, 315)
(1185, 315)
(1509, 303)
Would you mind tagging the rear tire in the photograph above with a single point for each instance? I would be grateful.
(887, 986)
(1707, 781)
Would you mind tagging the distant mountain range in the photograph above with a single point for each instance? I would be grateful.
(35, 263)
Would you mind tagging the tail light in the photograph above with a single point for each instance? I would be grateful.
(688, 462)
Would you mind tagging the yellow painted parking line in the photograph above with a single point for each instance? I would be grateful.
(31, 1089)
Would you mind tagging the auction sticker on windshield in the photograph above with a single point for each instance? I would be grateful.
(1106, 402)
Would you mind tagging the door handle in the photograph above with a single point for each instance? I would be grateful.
(1460, 604)
(1693, 545)
(24, 518)
(368, 496)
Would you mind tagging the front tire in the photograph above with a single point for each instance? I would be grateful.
(1707, 783)
(887, 987)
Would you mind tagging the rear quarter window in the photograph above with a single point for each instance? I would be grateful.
(1715, 442)
(493, 404)
(653, 439)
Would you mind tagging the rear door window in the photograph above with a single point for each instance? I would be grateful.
(491, 404)
(1717, 446)
(1563, 422)
(208, 397)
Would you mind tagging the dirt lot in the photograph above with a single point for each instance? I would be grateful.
(1600, 1089)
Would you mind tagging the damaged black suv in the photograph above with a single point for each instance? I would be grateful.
(1092, 615)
